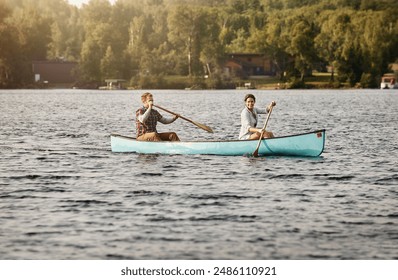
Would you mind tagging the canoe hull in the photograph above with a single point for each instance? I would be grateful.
(307, 144)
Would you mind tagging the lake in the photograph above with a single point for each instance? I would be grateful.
(65, 195)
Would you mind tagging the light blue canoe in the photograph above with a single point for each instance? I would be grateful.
(309, 144)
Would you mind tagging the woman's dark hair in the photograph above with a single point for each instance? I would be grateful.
(250, 96)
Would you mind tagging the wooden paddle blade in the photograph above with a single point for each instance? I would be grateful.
(204, 127)
(255, 154)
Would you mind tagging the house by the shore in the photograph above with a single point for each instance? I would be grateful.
(245, 65)
(54, 73)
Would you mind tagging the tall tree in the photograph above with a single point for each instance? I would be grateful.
(32, 34)
(98, 37)
(277, 40)
(212, 50)
(185, 25)
(301, 42)
(109, 65)
(10, 59)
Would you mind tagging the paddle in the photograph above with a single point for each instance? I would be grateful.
(202, 126)
(255, 153)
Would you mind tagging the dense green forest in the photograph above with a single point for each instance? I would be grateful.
(145, 41)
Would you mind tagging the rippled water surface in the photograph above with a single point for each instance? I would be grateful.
(65, 195)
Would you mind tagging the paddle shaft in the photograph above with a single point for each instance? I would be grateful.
(161, 108)
(255, 153)
(202, 126)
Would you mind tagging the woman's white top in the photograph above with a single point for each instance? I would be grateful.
(249, 119)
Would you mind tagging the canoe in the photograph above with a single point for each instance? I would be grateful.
(309, 144)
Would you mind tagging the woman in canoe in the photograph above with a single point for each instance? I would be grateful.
(146, 121)
(249, 120)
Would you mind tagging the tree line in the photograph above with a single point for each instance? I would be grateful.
(148, 40)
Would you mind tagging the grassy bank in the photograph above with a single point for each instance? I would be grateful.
(317, 80)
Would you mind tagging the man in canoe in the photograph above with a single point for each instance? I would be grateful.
(146, 121)
(249, 119)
